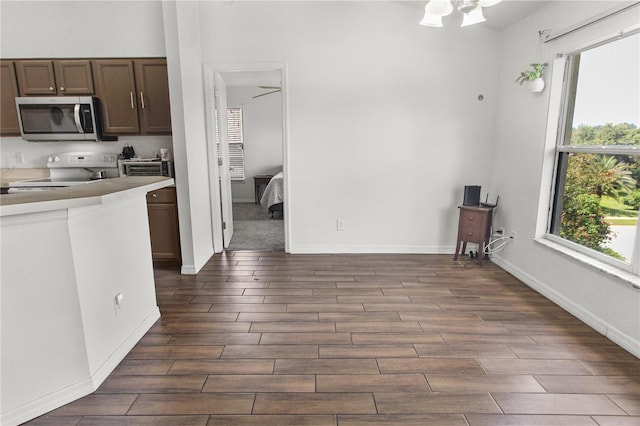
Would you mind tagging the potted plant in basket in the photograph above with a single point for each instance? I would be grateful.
(533, 76)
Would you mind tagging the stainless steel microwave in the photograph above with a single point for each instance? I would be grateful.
(60, 118)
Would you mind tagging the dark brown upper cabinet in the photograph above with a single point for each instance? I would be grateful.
(153, 89)
(116, 87)
(58, 78)
(134, 94)
(74, 77)
(8, 91)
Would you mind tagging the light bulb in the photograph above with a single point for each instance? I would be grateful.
(431, 20)
(473, 17)
(439, 7)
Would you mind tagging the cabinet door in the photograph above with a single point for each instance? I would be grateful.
(8, 92)
(153, 90)
(36, 78)
(73, 77)
(163, 225)
(164, 238)
(114, 80)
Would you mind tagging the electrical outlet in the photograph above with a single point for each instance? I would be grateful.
(340, 224)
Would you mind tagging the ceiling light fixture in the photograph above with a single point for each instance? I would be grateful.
(435, 10)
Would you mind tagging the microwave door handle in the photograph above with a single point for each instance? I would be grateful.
(77, 117)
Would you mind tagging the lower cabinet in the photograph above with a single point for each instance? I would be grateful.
(163, 226)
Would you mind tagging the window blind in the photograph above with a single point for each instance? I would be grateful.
(235, 137)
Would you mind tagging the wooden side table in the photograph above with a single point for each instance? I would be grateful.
(260, 183)
(474, 226)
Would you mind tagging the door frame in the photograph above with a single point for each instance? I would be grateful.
(216, 199)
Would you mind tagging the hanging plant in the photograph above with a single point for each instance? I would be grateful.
(532, 74)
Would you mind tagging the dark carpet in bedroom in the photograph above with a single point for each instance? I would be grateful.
(253, 229)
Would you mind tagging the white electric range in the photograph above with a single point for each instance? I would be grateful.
(71, 168)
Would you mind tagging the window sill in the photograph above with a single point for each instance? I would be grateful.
(625, 276)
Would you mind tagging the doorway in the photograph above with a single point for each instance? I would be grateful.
(255, 100)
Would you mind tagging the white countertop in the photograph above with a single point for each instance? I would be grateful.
(11, 175)
(91, 194)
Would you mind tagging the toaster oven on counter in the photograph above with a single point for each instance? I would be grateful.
(145, 167)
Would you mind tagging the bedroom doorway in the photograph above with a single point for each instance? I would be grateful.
(256, 136)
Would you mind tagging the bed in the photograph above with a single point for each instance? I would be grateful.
(273, 196)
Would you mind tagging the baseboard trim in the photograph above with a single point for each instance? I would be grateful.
(627, 342)
(188, 270)
(197, 264)
(68, 394)
(118, 355)
(302, 249)
(47, 403)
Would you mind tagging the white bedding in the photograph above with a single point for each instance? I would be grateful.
(273, 193)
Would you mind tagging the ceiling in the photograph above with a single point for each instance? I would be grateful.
(498, 17)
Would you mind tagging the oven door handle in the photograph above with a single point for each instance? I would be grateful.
(76, 116)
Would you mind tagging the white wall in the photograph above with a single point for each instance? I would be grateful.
(26, 373)
(385, 128)
(79, 30)
(262, 125)
(606, 303)
(184, 64)
(67, 29)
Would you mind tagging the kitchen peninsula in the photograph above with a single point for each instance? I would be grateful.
(77, 289)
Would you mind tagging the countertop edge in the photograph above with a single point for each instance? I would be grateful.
(94, 194)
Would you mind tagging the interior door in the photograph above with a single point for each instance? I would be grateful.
(220, 92)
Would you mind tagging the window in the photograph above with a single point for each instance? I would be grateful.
(597, 175)
(236, 142)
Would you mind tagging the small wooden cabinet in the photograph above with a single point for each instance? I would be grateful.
(56, 78)
(474, 226)
(9, 125)
(134, 94)
(163, 226)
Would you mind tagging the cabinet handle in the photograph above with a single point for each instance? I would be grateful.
(142, 100)
(131, 96)
(51, 89)
(469, 234)
(471, 218)
(154, 195)
(62, 88)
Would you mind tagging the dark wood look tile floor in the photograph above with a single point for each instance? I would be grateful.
(265, 338)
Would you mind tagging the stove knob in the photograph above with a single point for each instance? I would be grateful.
(50, 160)
(57, 159)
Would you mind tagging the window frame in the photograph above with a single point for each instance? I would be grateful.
(571, 63)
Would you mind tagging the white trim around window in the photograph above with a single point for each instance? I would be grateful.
(560, 102)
